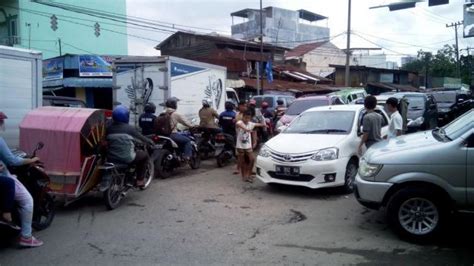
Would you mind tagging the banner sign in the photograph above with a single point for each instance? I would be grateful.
(53, 69)
(181, 69)
(95, 66)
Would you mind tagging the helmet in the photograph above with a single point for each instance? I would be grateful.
(264, 105)
(229, 106)
(150, 108)
(121, 114)
(172, 103)
(206, 102)
(252, 102)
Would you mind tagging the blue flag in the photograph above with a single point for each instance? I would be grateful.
(269, 70)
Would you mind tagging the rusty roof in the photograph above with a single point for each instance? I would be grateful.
(303, 49)
(282, 85)
(394, 87)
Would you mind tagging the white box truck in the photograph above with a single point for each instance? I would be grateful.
(138, 80)
(21, 88)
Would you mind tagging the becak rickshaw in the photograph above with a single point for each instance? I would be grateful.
(74, 153)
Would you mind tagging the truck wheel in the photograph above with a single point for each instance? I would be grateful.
(163, 166)
(417, 214)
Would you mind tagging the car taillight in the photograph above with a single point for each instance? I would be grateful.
(156, 138)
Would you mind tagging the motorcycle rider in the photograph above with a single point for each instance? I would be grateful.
(280, 110)
(265, 112)
(121, 138)
(22, 197)
(227, 119)
(208, 116)
(147, 119)
(183, 142)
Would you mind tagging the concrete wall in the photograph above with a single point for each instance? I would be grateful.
(318, 60)
(75, 30)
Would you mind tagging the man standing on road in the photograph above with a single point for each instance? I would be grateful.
(395, 127)
(371, 124)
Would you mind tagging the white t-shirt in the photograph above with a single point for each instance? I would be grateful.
(396, 123)
(244, 139)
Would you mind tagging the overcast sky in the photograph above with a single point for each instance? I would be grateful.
(400, 32)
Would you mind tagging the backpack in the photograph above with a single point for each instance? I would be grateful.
(163, 124)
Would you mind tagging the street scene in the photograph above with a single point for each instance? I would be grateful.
(236, 132)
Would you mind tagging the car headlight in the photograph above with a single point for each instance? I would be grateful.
(264, 152)
(326, 155)
(367, 170)
(417, 122)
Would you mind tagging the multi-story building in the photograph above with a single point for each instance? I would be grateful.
(60, 27)
(280, 26)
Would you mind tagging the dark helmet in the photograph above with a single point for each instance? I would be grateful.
(150, 108)
(172, 103)
(229, 106)
(264, 105)
(280, 102)
(121, 114)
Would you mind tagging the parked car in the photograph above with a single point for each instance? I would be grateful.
(304, 103)
(449, 103)
(422, 113)
(63, 101)
(350, 95)
(318, 149)
(420, 178)
(272, 100)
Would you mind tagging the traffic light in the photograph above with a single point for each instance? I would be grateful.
(97, 29)
(54, 22)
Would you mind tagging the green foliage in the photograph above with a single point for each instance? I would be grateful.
(442, 64)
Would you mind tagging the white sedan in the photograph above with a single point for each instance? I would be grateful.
(318, 149)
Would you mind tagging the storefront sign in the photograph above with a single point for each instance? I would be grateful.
(53, 69)
(95, 66)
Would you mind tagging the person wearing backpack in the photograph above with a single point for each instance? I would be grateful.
(146, 121)
(166, 124)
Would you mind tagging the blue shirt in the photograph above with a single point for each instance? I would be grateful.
(7, 158)
(227, 122)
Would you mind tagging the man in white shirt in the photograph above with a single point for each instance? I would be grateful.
(395, 127)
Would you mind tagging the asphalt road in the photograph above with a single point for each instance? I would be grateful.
(210, 217)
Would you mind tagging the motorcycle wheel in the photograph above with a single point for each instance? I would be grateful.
(113, 195)
(163, 167)
(195, 161)
(150, 173)
(44, 215)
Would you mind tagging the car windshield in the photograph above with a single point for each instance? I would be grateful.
(269, 100)
(297, 107)
(416, 102)
(459, 126)
(322, 122)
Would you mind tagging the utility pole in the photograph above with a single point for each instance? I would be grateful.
(60, 47)
(260, 86)
(455, 25)
(348, 49)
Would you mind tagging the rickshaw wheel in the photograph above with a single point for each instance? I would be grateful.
(44, 216)
(150, 173)
(113, 195)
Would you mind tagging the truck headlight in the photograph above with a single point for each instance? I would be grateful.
(417, 122)
(326, 155)
(367, 170)
(264, 152)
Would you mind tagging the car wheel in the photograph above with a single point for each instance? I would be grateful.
(349, 178)
(416, 214)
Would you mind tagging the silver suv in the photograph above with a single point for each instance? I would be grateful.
(420, 178)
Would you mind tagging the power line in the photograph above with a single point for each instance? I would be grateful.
(426, 46)
(77, 48)
(378, 45)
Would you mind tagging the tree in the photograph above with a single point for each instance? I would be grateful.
(442, 64)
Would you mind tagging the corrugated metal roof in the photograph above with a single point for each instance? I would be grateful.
(303, 49)
(282, 85)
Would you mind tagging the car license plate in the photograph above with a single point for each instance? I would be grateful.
(287, 170)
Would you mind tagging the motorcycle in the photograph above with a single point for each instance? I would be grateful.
(36, 181)
(170, 157)
(226, 148)
(206, 142)
(118, 179)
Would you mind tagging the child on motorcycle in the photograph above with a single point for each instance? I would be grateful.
(22, 197)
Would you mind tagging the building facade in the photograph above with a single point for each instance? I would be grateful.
(316, 57)
(59, 27)
(280, 26)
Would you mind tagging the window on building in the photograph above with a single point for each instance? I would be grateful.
(13, 32)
